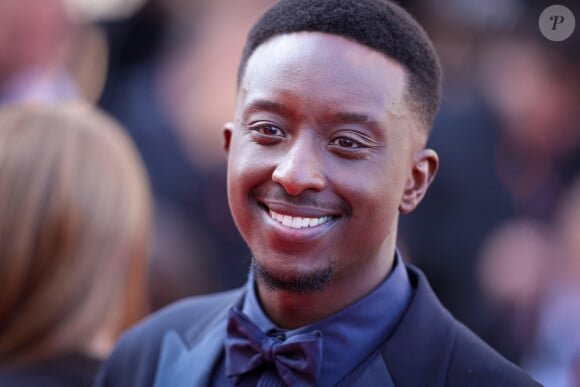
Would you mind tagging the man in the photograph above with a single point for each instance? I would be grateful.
(335, 101)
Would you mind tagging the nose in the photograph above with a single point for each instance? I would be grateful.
(300, 169)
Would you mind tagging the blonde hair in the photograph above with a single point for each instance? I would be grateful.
(74, 229)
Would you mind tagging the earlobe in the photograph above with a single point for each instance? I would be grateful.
(422, 175)
(228, 128)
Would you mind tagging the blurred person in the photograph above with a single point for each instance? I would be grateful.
(328, 147)
(74, 231)
(182, 257)
(35, 41)
(47, 55)
(554, 358)
(534, 86)
(513, 270)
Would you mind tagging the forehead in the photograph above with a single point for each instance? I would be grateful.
(314, 65)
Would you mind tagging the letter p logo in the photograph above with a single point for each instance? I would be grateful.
(556, 20)
(557, 23)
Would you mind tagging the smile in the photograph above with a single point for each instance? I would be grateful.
(298, 222)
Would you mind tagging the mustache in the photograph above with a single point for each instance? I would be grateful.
(310, 199)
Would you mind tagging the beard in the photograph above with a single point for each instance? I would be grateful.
(301, 283)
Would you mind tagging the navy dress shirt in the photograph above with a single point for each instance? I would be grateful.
(351, 337)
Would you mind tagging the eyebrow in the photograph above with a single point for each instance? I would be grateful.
(264, 104)
(354, 117)
(357, 118)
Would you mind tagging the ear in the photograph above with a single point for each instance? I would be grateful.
(228, 128)
(424, 170)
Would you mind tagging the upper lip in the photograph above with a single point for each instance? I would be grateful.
(303, 211)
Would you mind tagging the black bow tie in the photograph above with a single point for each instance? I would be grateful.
(297, 358)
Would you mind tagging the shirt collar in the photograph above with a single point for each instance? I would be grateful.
(361, 327)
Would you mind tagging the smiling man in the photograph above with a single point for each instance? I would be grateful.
(327, 147)
(323, 155)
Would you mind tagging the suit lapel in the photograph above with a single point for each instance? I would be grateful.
(190, 362)
(372, 373)
(419, 350)
(180, 366)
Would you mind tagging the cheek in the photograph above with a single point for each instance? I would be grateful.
(238, 173)
(242, 165)
(246, 171)
(374, 202)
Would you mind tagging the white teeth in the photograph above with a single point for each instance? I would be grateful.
(287, 221)
(298, 222)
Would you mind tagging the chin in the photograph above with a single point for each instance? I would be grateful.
(293, 281)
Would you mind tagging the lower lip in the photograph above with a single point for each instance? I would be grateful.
(296, 235)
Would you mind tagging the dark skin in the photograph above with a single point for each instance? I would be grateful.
(323, 156)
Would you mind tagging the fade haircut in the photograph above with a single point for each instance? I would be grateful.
(378, 24)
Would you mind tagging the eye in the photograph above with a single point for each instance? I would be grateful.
(269, 130)
(349, 144)
(345, 142)
(266, 133)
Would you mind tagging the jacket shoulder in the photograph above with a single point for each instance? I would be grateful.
(474, 363)
(431, 348)
(134, 360)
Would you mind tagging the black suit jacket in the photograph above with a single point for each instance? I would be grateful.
(179, 345)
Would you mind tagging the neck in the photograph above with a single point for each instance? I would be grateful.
(291, 310)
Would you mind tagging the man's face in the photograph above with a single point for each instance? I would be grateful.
(321, 156)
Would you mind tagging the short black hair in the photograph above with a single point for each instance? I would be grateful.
(378, 24)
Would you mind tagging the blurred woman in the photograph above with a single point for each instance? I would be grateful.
(74, 236)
